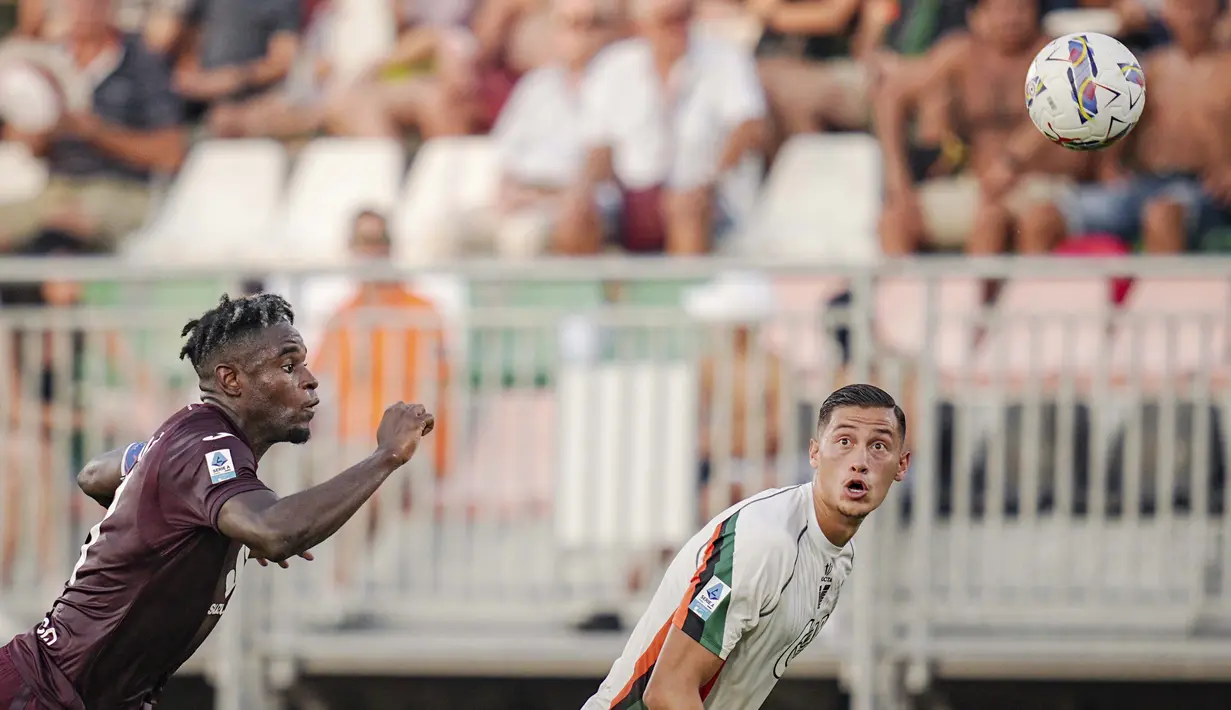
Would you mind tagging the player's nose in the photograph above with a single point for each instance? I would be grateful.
(309, 382)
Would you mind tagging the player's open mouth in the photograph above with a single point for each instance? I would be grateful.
(856, 489)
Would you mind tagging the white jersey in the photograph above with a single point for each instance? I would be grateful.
(754, 586)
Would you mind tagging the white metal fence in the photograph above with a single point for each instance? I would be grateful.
(1065, 513)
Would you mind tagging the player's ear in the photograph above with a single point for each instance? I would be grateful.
(227, 378)
(903, 466)
(814, 453)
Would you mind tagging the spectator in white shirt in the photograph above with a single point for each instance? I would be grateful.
(539, 141)
(669, 115)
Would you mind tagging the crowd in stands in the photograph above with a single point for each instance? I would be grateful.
(642, 125)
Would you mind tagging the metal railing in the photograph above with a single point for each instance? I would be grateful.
(1065, 512)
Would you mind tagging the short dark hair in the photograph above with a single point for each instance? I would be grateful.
(228, 322)
(861, 395)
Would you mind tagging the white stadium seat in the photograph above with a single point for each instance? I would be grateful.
(822, 201)
(220, 207)
(449, 179)
(333, 179)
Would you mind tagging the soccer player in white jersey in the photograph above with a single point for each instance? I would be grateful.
(751, 590)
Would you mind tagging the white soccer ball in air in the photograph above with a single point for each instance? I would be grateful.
(1085, 91)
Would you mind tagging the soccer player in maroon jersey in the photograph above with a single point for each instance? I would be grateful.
(156, 574)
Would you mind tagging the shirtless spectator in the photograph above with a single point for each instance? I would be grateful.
(1180, 153)
(674, 140)
(539, 141)
(101, 157)
(234, 51)
(1010, 168)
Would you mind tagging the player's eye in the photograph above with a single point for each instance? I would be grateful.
(844, 441)
(289, 368)
(879, 445)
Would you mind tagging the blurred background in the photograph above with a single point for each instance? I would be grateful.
(623, 249)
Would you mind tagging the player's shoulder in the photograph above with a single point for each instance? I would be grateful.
(771, 521)
(203, 432)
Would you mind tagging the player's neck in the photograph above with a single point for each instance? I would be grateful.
(257, 443)
(836, 527)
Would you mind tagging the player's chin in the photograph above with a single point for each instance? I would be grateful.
(858, 508)
(298, 435)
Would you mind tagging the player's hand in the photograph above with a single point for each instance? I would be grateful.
(284, 564)
(401, 429)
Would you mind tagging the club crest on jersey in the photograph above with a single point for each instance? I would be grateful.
(221, 467)
(708, 599)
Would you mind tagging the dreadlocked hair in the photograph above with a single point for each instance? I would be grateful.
(230, 321)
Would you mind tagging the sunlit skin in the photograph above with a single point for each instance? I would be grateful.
(857, 457)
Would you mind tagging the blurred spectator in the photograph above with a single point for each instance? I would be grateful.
(539, 140)
(233, 52)
(383, 345)
(101, 159)
(40, 401)
(155, 20)
(297, 107)
(810, 51)
(741, 387)
(670, 116)
(430, 82)
(1180, 152)
(1007, 168)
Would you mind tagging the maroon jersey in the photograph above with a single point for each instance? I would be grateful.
(154, 576)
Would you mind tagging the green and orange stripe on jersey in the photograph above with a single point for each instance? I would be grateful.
(717, 560)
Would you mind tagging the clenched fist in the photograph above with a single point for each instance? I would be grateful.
(400, 430)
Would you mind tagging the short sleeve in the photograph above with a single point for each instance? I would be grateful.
(739, 577)
(208, 473)
(742, 98)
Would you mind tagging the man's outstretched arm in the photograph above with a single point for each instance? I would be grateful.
(276, 528)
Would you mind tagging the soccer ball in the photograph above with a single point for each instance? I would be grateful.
(1085, 91)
